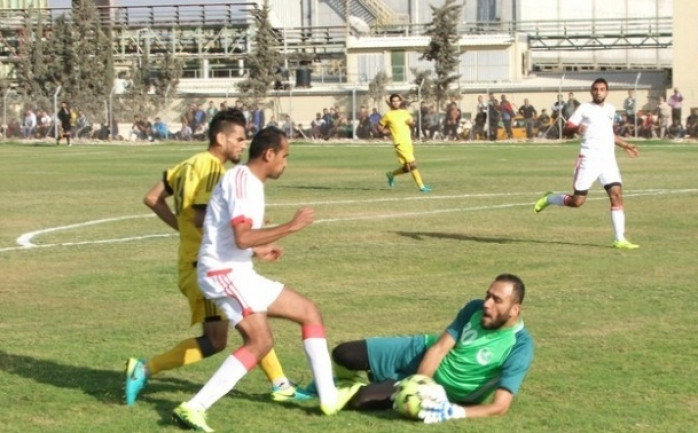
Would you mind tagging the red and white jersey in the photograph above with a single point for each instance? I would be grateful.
(239, 197)
(598, 140)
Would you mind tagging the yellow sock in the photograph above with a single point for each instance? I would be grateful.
(417, 177)
(186, 352)
(271, 367)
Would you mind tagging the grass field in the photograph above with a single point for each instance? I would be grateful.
(615, 331)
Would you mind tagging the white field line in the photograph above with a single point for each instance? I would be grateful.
(25, 241)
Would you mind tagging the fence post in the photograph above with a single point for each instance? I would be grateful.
(55, 112)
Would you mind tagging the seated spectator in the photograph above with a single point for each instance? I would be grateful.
(159, 130)
(625, 128)
(373, 119)
(83, 127)
(478, 130)
(676, 130)
(30, 124)
(45, 123)
(273, 122)
(185, 133)
(648, 127)
(14, 129)
(363, 129)
(316, 126)
(692, 124)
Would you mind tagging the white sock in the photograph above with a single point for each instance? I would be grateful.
(618, 220)
(315, 345)
(221, 383)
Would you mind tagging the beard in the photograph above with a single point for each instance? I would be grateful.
(496, 323)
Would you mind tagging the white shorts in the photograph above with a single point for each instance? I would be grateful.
(587, 170)
(238, 292)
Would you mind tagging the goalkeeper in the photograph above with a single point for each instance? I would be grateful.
(485, 350)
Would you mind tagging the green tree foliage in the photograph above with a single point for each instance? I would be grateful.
(152, 82)
(443, 48)
(264, 62)
(377, 88)
(423, 78)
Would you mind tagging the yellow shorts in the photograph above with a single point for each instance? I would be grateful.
(201, 308)
(405, 153)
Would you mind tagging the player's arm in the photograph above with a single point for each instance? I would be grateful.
(570, 128)
(247, 237)
(199, 215)
(435, 354)
(629, 148)
(155, 200)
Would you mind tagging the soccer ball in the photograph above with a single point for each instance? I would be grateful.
(406, 400)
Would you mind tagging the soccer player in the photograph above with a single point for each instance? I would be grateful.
(64, 115)
(399, 123)
(597, 160)
(233, 235)
(191, 182)
(485, 351)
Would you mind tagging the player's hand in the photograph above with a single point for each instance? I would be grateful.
(582, 129)
(439, 411)
(268, 253)
(303, 218)
(631, 150)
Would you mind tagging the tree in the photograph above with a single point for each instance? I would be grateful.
(377, 88)
(264, 64)
(423, 78)
(443, 48)
(152, 82)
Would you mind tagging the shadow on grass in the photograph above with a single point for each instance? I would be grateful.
(490, 240)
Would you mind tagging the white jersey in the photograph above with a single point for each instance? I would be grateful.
(239, 197)
(598, 140)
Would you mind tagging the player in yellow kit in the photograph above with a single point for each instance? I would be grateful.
(191, 183)
(399, 123)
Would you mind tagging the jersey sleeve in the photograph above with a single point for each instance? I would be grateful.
(384, 120)
(577, 117)
(462, 318)
(240, 203)
(517, 363)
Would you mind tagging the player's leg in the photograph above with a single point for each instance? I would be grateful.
(585, 173)
(293, 306)
(612, 183)
(409, 165)
(258, 340)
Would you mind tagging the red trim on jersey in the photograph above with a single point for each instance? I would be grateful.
(313, 331)
(616, 208)
(218, 272)
(232, 292)
(247, 311)
(240, 184)
(240, 219)
(246, 358)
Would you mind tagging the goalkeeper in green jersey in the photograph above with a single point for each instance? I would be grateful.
(485, 352)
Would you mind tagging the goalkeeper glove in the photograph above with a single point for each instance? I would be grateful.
(440, 411)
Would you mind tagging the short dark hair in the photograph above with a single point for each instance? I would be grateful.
(395, 95)
(519, 289)
(600, 80)
(223, 120)
(267, 138)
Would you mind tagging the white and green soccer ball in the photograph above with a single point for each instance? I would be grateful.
(406, 399)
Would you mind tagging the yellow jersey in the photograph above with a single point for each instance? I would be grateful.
(191, 183)
(398, 122)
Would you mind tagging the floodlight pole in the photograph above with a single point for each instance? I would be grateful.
(110, 115)
(167, 97)
(559, 114)
(637, 81)
(353, 113)
(55, 112)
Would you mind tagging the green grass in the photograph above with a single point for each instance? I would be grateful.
(615, 331)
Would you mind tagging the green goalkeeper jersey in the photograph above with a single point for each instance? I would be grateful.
(482, 360)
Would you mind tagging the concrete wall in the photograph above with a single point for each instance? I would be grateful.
(686, 52)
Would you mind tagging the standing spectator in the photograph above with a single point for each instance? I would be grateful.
(647, 127)
(363, 129)
(529, 114)
(373, 119)
(451, 122)
(199, 117)
(629, 106)
(257, 119)
(508, 113)
(433, 124)
(481, 105)
(493, 117)
(675, 101)
(597, 161)
(665, 112)
(211, 110)
(558, 116)
(44, 123)
(570, 106)
(64, 119)
(29, 128)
